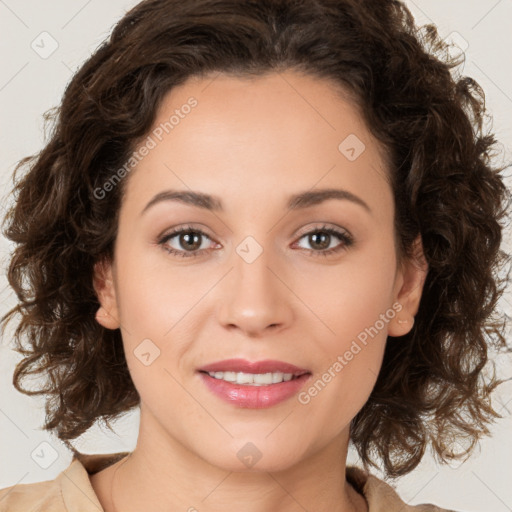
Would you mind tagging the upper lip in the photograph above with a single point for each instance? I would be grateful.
(242, 365)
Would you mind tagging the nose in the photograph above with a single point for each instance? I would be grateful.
(254, 297)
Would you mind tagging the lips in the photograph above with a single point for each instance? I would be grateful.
(252, 397)
(242, 365)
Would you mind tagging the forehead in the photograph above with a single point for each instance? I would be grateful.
(263, 137)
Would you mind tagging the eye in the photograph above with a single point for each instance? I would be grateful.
(321, 238)
(188, 238)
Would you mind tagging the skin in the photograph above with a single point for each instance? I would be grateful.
(253, 143)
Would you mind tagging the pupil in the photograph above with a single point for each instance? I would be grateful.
(321, 245)
(190, 239)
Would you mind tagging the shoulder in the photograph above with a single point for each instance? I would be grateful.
(70, 491)
(33, 497)
(381, 496)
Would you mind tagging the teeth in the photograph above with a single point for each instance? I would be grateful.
(252, 379)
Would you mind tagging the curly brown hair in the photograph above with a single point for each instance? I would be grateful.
(433, 387)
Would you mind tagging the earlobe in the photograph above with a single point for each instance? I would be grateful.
(104, 318)
(103, 283)
(410, 282)
(401, 326)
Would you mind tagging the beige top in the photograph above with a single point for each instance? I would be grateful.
(71, 490)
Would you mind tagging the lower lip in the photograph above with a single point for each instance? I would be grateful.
(254, 397)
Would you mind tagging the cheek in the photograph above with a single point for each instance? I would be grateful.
(154, 297)
(158, 308)
(352, 296)
(355, 306)
(156, 332)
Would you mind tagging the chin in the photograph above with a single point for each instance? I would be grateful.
(255, 457)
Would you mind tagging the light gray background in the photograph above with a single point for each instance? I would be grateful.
(30, 85)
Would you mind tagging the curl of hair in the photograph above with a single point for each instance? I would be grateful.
(432, 388)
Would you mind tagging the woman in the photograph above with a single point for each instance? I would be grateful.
(273, 226)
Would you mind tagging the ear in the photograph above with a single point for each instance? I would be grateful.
(103, 282)
(409, 284)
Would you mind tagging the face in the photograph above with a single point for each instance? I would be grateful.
(265, 269)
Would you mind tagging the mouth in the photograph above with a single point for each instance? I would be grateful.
(253, 385)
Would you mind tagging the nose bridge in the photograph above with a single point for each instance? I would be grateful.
(252, 268)
(254, 297)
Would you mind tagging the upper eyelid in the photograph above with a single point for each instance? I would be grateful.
(325, 226)
(183, 229)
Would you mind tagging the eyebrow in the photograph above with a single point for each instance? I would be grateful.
(295, 202)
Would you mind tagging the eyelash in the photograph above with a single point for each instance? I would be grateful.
(346, 239)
